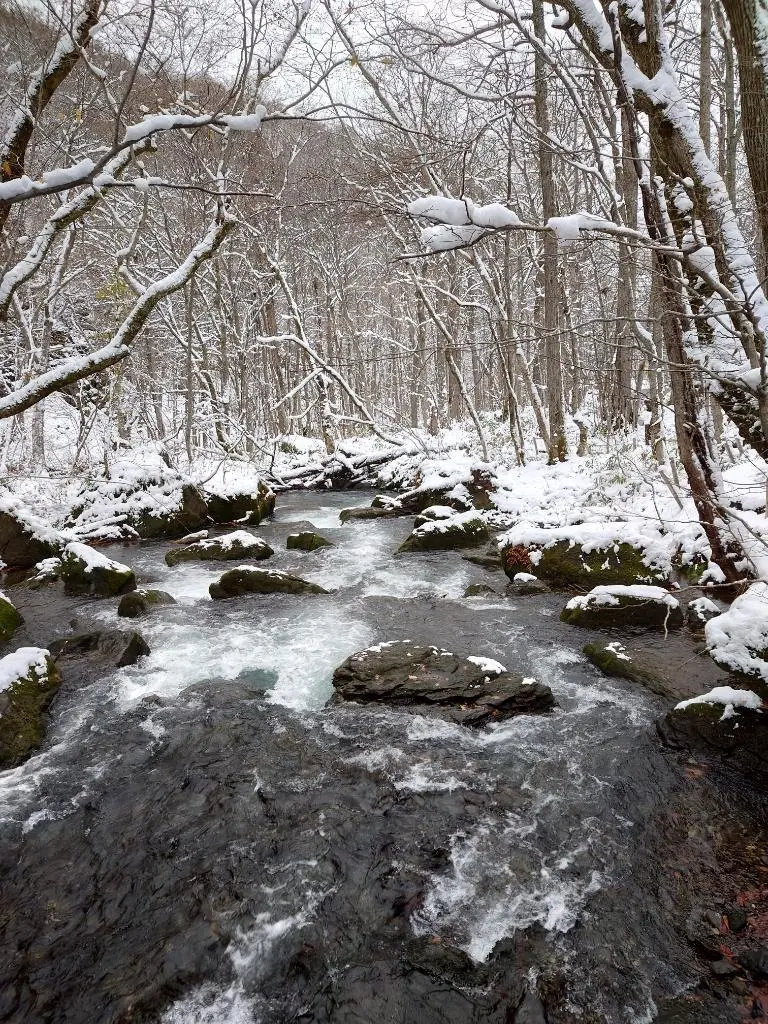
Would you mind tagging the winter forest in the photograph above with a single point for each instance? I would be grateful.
(455, 316)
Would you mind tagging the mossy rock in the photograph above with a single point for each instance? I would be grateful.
(462, 531)
(614, 662)
(85, 571)
(566, 564)
(434, 514)
(24, 702)
(233, 547)
(139, 602)
(10, 619)
(244, 580)
(595, 611)
(307, 541)
(243, 507)
(191, 515)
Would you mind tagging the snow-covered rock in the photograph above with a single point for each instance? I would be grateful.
(700, 611)
(738, 639)
(28, 682)
(25, 539)
(624, 606)
(238, 502)
(463, 530)
(231, 547)
(588, 553)
(85, 570)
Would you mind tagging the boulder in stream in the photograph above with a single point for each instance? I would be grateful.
(463, 530)
(10, 619)
(725, 721)
(230, 547)
(606, 607)
(114, 647)
(613, 660)
(307, 540)
(585, 555)
(699, 612)
(139, 602)
(247, 580)
(85, 570)
(470, 691)
(29, 680)
(25, 539)
(240, 504)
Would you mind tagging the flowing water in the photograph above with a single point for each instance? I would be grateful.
(204, 840)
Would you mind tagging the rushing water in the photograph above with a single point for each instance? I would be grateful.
(186, 850)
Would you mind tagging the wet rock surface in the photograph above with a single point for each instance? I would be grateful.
(243, 580)
(140, 602)
(306, 541)
(114, 647)
(740, 741)
(437, 682)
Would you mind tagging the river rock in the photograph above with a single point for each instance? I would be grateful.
(306, 541)
(609, 606)
(231, 547)
(434, 513)
(469, 691)
(480, 590)
(463, 530)
(369, 512)
(246, 505)
(85, 570)
(740, 736)
(24, 539)
(699, 612)
(112, 646)
(139, 602)
(10, 619)
(581, 560)
(756, 962)
(613, 660)
(29, 680)
(247, 580)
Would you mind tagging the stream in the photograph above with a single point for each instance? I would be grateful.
(203, 839)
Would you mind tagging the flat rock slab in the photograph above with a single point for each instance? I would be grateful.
(247, 580)
(437, 682)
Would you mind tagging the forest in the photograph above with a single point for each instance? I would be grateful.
(456, 312)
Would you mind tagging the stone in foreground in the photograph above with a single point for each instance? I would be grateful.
(112, 647)
(465, 530)
(247, 580)
(726, 721)
(138, 602)
(306, 541)
(468, 691)
(10, 619)
(606, 607)
(85, 570)
(28, 682)
(232, 546)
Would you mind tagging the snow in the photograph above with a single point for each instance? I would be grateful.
(611, 595)
(19, 665)
(738, 638)
(487, 665)
(524, 577)
(727, 696)
(617, 650)
(443, 237)
(240, 538)
(567, 229)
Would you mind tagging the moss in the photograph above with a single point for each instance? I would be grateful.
(10, 620)
(22, 714)
(566, 564)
